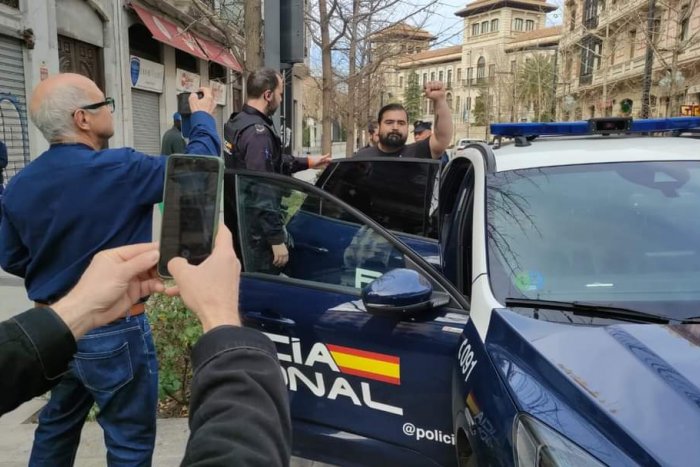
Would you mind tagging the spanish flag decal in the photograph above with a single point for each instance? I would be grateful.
(371, 365)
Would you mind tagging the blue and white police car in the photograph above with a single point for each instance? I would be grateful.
(539, 306)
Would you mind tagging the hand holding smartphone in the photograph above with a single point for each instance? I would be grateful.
(191, 200)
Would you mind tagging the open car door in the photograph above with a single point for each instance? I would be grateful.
(366, 329)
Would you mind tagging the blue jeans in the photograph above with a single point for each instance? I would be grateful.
(116, 367)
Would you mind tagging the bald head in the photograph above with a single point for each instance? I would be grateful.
(54, 102)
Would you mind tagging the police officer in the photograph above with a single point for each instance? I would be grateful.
(251, 142)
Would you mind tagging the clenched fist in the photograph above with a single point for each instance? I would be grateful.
(434, 90)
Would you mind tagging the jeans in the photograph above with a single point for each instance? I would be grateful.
(115, 367)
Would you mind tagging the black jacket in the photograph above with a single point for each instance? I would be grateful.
(239, 408)
(251, 142)
(239, 411)
(35, 348)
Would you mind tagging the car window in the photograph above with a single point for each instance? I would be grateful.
(624, 234)
(399, 195)
(326, 243)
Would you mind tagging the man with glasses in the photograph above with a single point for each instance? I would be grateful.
(76, 199)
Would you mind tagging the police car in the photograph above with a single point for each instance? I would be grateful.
(537, 307)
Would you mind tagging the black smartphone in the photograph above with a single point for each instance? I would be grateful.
(191, 199)
(183, 102)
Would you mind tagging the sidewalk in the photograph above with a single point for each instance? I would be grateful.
(16, 441)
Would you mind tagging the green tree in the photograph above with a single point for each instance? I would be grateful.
(412, 98)
(536, 85)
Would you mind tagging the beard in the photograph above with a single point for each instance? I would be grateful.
(272, 108)
(392, 139)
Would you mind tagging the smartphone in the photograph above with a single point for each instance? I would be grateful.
(191, 200)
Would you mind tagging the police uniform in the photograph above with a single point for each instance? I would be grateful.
(252, 143)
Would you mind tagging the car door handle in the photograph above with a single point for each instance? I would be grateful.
(267, 319)
(315, 249)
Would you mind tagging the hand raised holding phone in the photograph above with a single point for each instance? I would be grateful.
(204, 103)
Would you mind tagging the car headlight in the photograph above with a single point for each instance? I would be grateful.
(537, 445)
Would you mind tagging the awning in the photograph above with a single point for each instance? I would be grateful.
(167, 32)
(219, 54)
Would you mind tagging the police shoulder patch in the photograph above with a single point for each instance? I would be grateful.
(259, 128)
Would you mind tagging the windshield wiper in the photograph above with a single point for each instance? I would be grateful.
(591, 309)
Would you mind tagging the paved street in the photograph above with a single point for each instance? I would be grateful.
(16, 434)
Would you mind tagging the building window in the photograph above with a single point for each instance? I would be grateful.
(475, 29)
(513, 66)
(598, 51)
(425, 78)
(685, 22)
(480, 69)
(432, 76)
(449, 78)
(589, 47)
(459, 75)
(529, 25)
(492, 71)
(470, 73)
(494, 25)
(401, 82)
(633, 40)
(518, 24)
(449, 100)
(484, 27)
(440, 76)
(590, 13)
(468, 103)
(457, 108)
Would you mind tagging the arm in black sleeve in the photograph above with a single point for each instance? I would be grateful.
(239, 409)
(35, 349)
(291, 164)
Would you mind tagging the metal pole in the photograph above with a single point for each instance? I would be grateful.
(271, 15)
(649, 61)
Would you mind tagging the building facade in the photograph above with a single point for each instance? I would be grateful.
(603, 57)
(141, 53)
(481, 73)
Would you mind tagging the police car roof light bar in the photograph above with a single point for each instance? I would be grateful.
(595, 126)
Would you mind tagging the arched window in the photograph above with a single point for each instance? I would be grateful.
(481, 69)
(449, 100)
(494, 25)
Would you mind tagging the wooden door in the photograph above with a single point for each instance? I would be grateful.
(75, 56)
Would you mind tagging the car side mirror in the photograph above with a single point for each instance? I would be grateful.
(400, 292)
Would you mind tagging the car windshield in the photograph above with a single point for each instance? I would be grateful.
(622, 234)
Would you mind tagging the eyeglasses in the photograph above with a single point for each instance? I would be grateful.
(108, 101)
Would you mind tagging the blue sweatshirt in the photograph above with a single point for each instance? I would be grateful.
(72, 202)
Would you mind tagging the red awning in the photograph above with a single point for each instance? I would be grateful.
(219, 54)
(167, 32)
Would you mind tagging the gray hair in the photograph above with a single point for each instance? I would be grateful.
(54, 114)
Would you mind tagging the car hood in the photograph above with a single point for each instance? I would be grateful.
(637, 385)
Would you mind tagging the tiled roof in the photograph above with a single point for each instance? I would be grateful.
(479, 5)
(404, 30)
(443, 52)
(537, 34)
